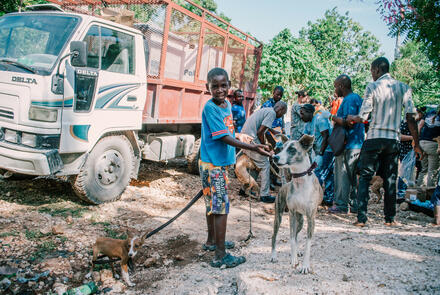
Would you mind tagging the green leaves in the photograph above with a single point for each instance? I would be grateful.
(294, 64)
(419, 20)
(333, 45)
(415, 69)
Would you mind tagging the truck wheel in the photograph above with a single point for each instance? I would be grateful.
(193, 158)
(107, 171)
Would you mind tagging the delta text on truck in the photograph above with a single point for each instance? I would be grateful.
(87, 91)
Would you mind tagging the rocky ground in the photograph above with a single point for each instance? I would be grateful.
(46, 236)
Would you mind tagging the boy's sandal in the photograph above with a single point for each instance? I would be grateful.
(229, 261)
(228, 245)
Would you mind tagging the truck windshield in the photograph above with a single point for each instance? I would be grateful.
(32, 42)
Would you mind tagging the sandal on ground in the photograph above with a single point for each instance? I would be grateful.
(229, 261)
(359, 224)
(228, 245)
(391, 223)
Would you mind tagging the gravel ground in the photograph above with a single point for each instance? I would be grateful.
(46, 236)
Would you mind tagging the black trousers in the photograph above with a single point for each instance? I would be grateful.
(378, 154)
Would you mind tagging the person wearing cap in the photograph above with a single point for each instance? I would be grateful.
(297, 124)
(256, 126)
(317, 104)
(238, 111)
(345, 164)
(277, 95)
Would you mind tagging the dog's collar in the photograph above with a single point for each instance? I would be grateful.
(307, 172)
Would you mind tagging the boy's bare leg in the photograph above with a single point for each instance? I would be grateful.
(220, 221)
(211, 233)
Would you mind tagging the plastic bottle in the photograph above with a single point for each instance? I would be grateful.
(86, 289)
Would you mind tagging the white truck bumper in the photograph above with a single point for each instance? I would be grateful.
(32, 163)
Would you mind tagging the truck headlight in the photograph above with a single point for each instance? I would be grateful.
(29, 139)
(11, 136)
(41, 114)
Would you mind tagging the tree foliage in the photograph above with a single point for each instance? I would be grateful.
(419, 20)
(294, 64)
(7, 6)
(415, 69)
(344, 46)
(331, 46)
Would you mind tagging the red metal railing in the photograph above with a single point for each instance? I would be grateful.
(175, 77)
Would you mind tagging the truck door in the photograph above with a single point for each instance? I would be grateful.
(106, 95)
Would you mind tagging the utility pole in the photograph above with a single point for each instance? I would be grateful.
(396, 48)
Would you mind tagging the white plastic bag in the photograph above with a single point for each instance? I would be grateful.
(407, 166)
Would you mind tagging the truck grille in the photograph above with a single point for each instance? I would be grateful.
(6, 113)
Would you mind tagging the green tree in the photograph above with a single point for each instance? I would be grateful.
(419, 20)
(415, 69)
(343, 46)
(294, 64)
(7, 6)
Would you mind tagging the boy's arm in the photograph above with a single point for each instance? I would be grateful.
(259, 148)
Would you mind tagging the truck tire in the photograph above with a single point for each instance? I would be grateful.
(193, 158)
(107, 171)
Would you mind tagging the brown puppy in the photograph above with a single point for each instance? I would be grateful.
(242, 167)
(375, 184)
(113, 248)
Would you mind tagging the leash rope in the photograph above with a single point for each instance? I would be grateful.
(155, 231)
(250, 235)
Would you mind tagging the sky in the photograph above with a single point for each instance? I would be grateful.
(266, 18)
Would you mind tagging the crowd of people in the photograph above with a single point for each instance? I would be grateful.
(356, 139)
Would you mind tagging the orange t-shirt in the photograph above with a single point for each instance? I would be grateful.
(335, 106)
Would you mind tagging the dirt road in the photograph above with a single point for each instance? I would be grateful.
(43, 227)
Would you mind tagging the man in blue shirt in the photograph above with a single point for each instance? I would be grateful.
(276, 97)
(238, 111)
(321, 128)
(345, 164)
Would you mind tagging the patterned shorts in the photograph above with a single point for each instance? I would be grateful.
(215, 188)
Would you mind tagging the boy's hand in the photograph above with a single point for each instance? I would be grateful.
(263, 149)
(419, 152)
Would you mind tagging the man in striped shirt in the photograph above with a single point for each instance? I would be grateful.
(385, 99)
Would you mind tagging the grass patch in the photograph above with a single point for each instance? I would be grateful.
(33, 235)
(104, 223)
(13, 233)
(62, 239)
(111, 233)
(64, 211)
(43, 250)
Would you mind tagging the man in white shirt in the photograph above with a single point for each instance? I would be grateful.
(385, 99)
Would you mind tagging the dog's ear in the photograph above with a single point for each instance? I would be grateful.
(283, 138)
(306, 141)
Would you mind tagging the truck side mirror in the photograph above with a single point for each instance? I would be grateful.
(79, 54)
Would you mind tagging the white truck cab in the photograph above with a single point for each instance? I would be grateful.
(72, 92)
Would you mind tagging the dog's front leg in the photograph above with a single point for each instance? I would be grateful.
(280, 203)
(296, 224)
(305, 269)
(125, 276)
